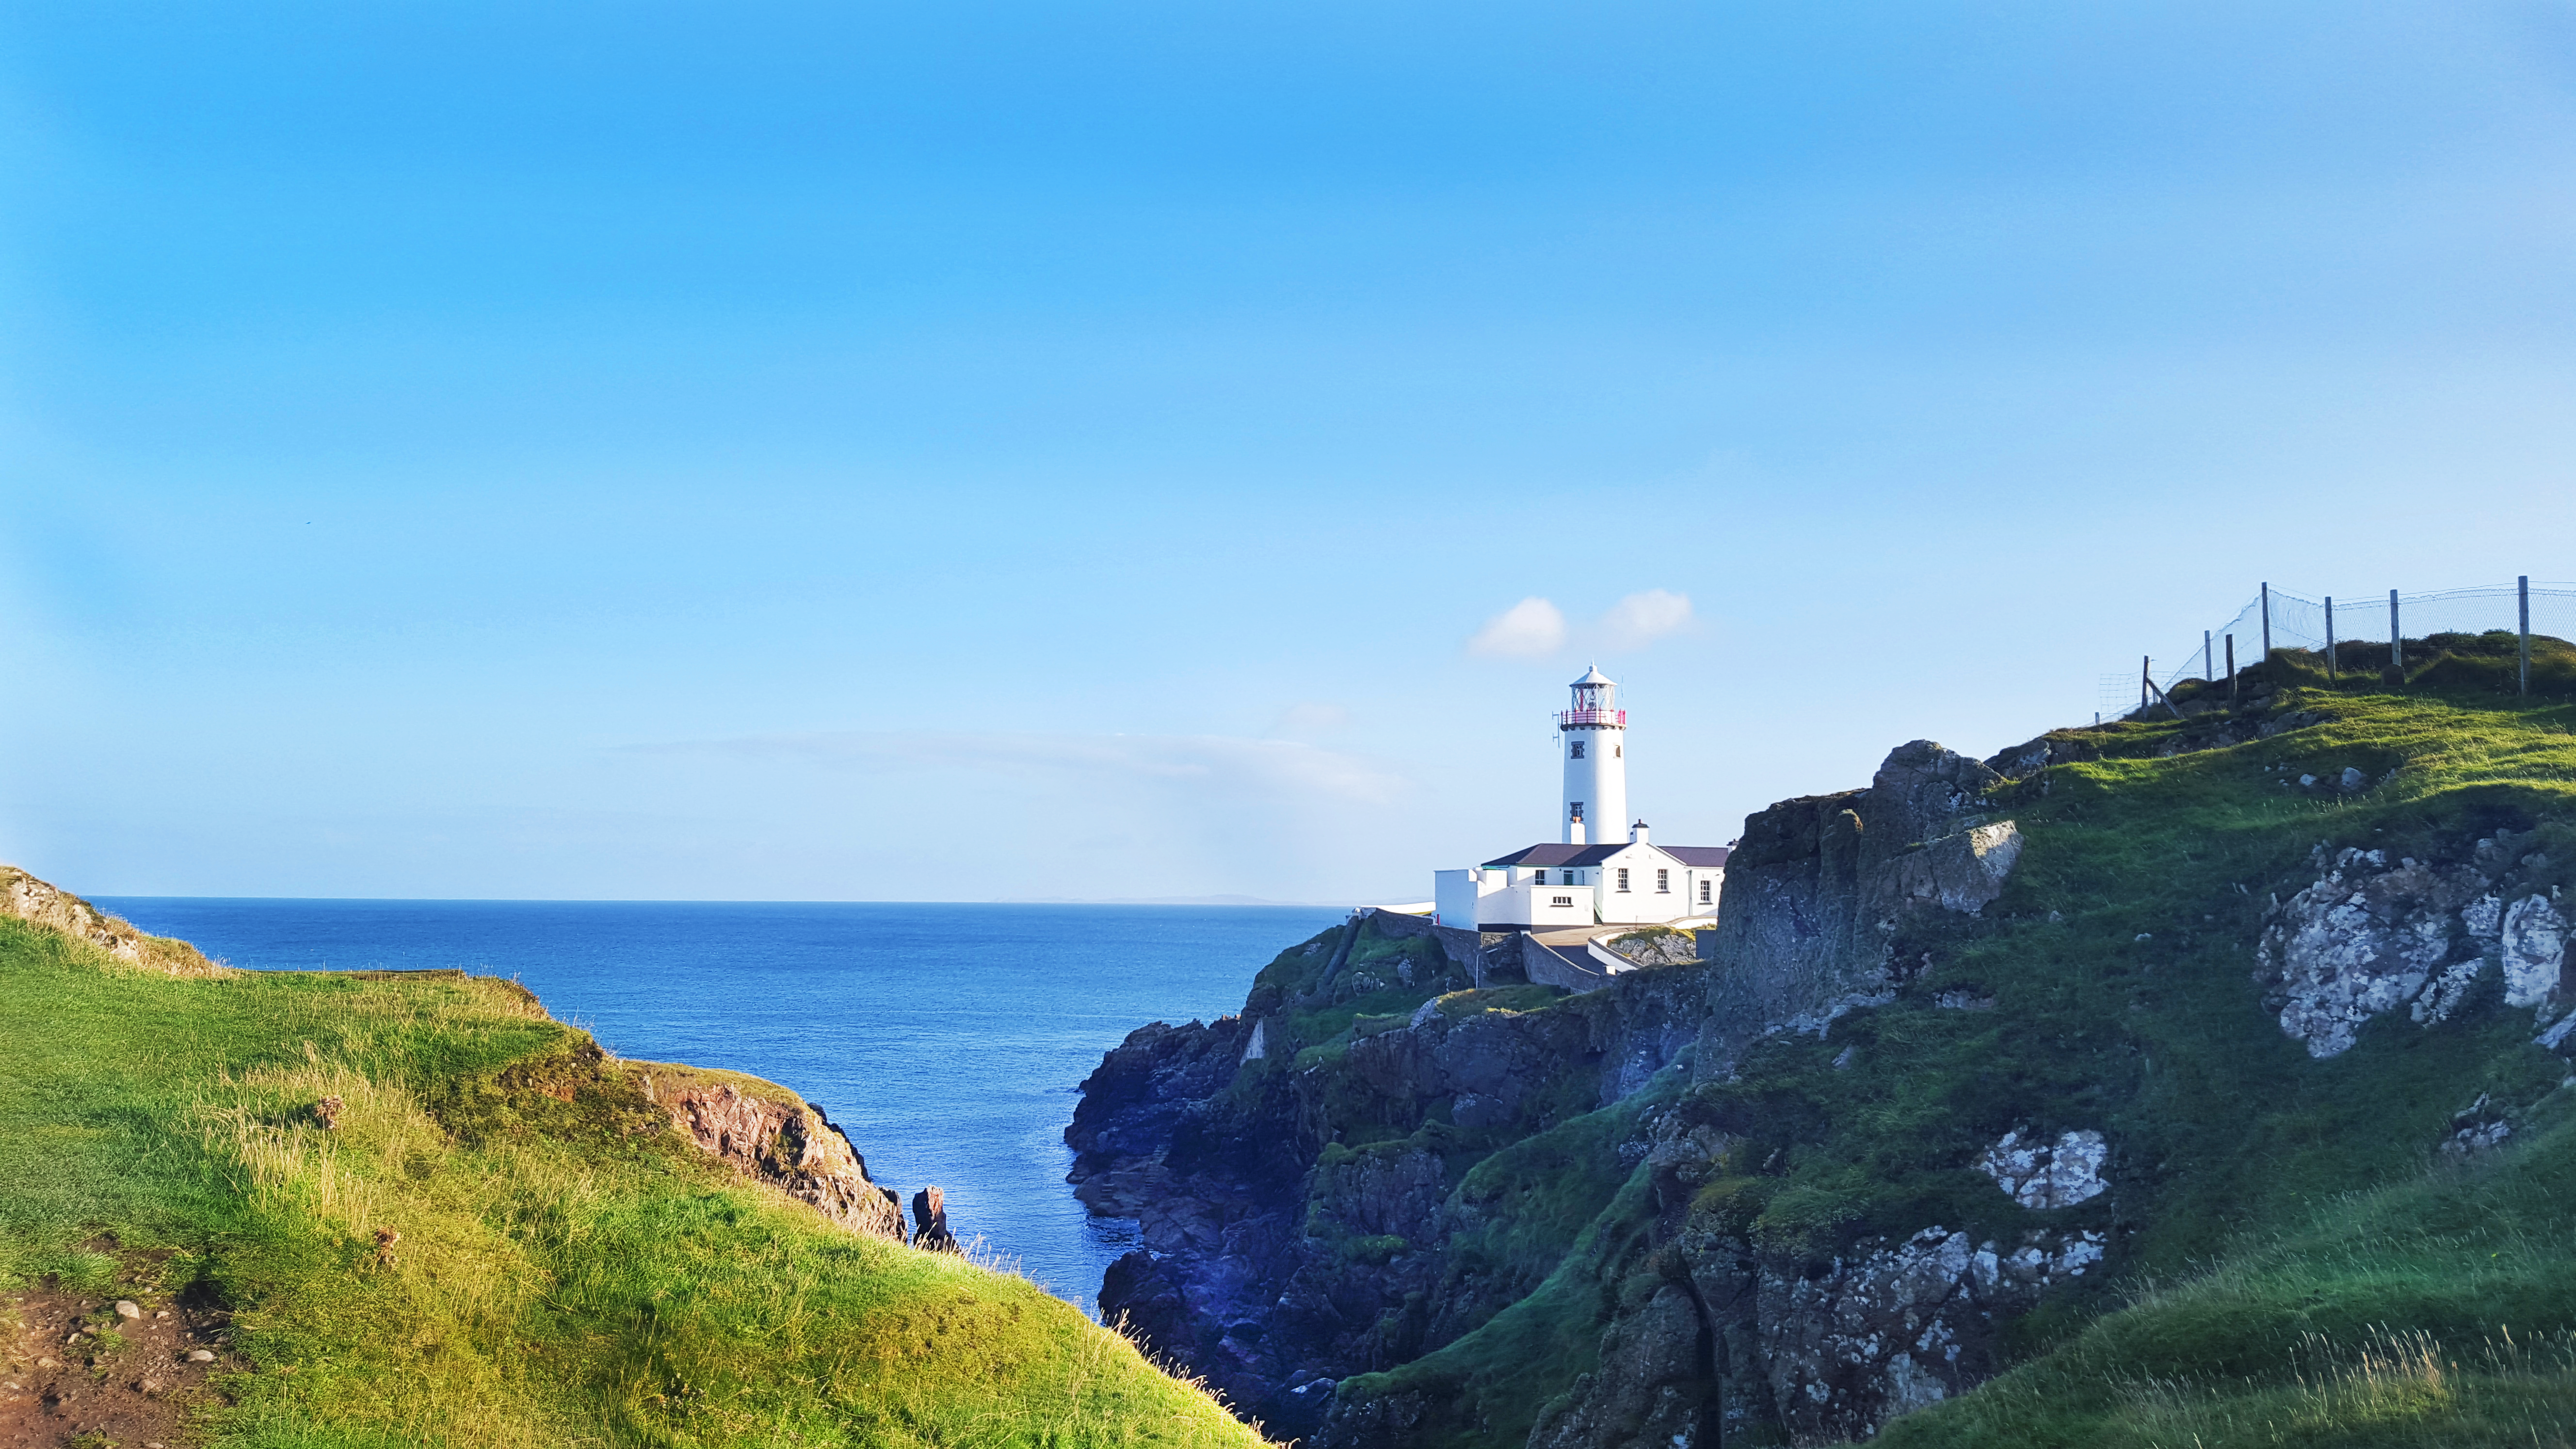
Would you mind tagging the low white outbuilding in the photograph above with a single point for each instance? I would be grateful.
(1582, 880)
(1549, 886)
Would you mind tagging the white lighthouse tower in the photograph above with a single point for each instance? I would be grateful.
(1594, 735)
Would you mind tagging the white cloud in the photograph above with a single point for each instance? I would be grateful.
(1642, 618)
(1530, 629)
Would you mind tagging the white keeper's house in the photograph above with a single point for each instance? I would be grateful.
(1602, 872)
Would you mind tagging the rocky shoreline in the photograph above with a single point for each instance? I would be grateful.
(1401, 1159)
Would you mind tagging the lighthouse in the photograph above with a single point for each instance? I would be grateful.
(1594, 737)
(1602, 874)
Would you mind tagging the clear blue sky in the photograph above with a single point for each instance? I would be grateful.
(978, 451)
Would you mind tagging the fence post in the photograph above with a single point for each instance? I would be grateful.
(2208, 670)
(2231, 671)
(2267, 623)
(2330, 647)
(2522, 597)
(2145, 662)
(2396, 640)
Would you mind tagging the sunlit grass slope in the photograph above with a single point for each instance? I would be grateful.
(569, 1270)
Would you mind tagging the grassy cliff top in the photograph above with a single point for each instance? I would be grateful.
(2296, 1257)
(569, 1271)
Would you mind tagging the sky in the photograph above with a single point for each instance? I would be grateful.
(1004, 451)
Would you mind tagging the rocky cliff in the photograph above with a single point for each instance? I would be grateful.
(1971, 1041)
(770, 1134)
(38, 903)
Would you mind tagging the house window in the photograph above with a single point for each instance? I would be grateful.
(1541, 880)
(1577, 750)
(1703, 893)
(1663, 882)
(1563, 903)
(1623, 877)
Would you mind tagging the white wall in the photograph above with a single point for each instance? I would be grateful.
(1453, 897)
(1536, 905)
(1599, 780)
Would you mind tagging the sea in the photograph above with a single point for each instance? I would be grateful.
(946, 1040)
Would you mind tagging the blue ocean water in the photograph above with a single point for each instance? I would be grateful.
(946, 1040)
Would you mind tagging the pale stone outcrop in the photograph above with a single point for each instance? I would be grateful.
(2044, 1174)
(2534, 950)
(2366, 938)
(783, 1142)
(2372, 935)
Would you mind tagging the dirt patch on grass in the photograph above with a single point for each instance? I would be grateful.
(74, 1371)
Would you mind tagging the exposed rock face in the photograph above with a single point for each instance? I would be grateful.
(930, 1222)
(2041, 1174)
(788, 1145)
(1898, 1326)
(1275, 1259)
(2371, 935)
(1822, 887)
(2534, 951)
(1656, 946)
(1652, 1387)
(35, 902)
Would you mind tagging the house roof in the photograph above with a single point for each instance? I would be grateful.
(1540, 855)
(1705, 856)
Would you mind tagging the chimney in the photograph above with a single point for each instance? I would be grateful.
(1637, 833)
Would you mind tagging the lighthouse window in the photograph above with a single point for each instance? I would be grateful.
(1663, 882)
(1577, 747)
(1618, 752)
(1623, 877)
(1574, 809)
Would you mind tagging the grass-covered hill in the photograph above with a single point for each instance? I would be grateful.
(567, 1268)
(1500, 1234)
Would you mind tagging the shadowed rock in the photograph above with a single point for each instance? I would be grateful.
(930, 1222)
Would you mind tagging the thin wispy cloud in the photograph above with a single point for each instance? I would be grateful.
(1309, 718)
(1535, 628)
(1530, 629)
(1208, 766)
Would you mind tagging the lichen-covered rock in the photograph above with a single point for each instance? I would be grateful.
(2534, 949)
(1895, 1327)
(2365, 939)
(2044, 1174)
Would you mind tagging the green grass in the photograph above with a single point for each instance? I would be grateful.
(2293, 1264)
(2435, 1310)
(570, 1272)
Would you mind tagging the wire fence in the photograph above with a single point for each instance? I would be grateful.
(2277, 618)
